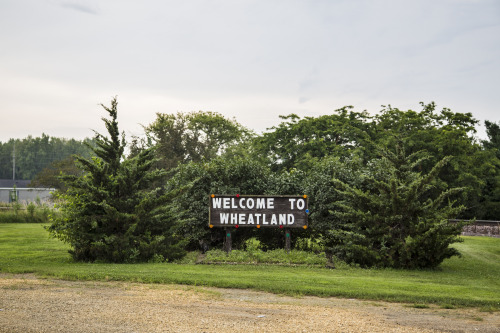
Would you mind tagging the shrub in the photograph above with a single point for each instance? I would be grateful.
(279, 256)
(29, 213)
(114, 212)
(394, 219)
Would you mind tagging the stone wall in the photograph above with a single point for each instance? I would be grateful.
(482, 228)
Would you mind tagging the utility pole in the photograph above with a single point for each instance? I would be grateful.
(14, 163)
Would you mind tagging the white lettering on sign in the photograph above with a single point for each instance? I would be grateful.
(276, 219)
(261, 203)
(301, 204)
(270, 203)
(217, 202)
(250, 203)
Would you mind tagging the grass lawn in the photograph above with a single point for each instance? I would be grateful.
(472, 280)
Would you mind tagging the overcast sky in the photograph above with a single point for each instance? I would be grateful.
(251, 60)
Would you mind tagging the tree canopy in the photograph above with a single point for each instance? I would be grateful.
(32, 155)
(193, 137)
(382, 188)
(297, 143)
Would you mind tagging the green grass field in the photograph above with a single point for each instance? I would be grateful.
(471, 281)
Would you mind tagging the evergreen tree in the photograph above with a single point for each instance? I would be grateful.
(112, 212)
(393, 219)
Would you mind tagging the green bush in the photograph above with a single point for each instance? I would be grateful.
(217, 176)
(115, 211)
(30, 208)
(9, 216)
(256, 256)
(397, 217)
(309, 244)
(30, 213)
(253, 245)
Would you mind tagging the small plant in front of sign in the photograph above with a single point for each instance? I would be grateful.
(277, 257)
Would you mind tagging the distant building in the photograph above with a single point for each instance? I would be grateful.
(18, 182)
(10, 190)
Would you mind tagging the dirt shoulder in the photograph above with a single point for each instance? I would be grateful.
(29, 304)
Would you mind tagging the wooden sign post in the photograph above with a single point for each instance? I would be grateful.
(228, 242)
(287, 240)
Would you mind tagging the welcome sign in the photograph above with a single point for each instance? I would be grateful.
(258, 211)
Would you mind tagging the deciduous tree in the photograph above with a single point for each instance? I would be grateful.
(195, 136)
(299, 143)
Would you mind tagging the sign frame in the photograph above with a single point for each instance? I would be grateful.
(258, 211)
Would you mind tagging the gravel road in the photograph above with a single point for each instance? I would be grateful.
(29, 304)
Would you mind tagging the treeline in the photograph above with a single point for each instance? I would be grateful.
(32, 155)
(381, 187)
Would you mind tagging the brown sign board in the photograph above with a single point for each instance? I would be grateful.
(257, 211)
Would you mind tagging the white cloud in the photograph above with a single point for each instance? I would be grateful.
(84, 8)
